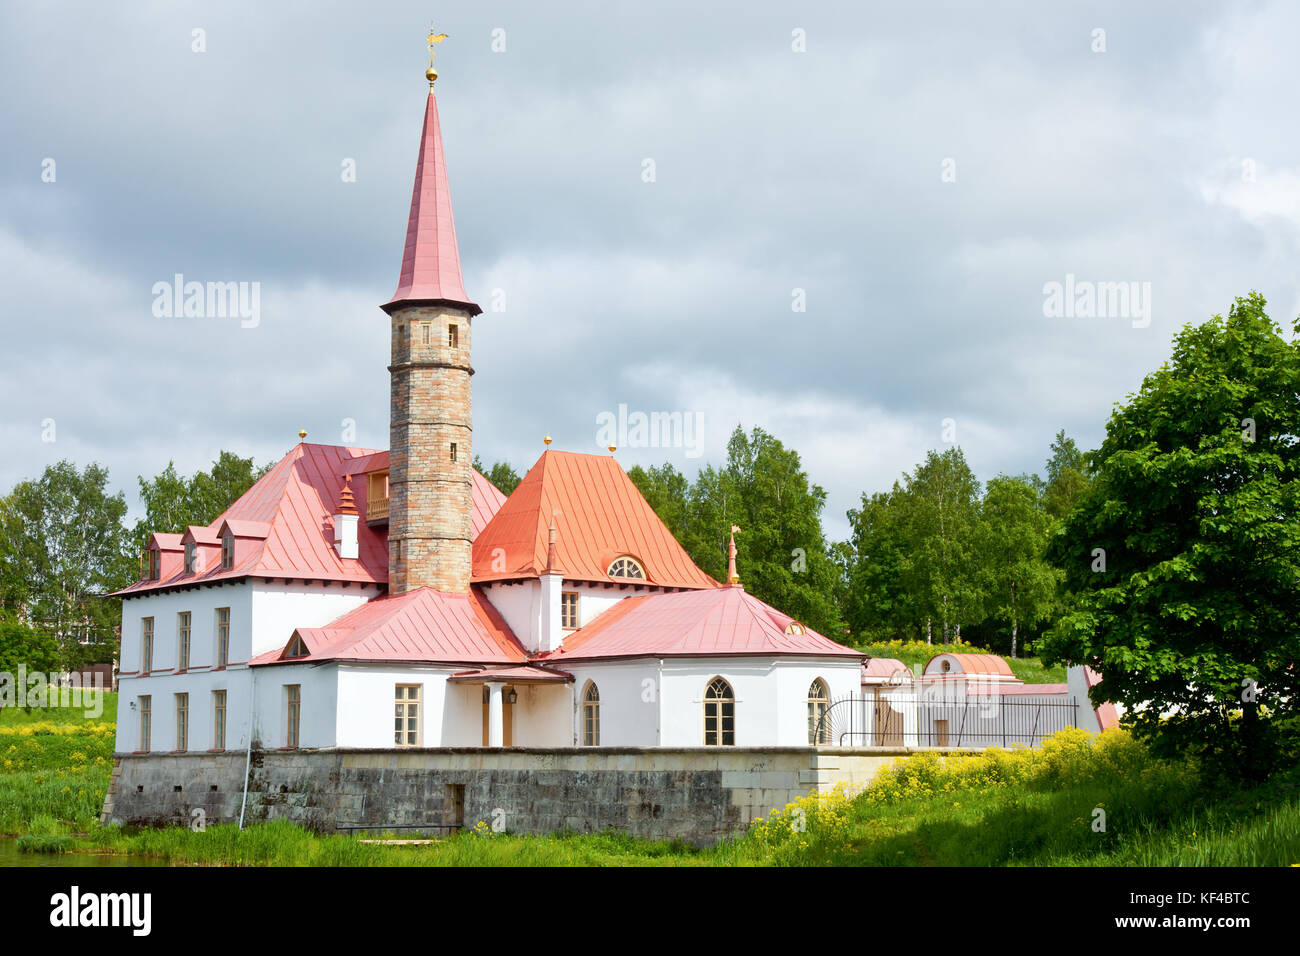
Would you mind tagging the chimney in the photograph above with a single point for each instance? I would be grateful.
(345, 522)
(551, 635)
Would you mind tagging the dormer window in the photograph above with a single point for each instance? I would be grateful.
(297, 648)
(227, 552)
(149, 564)
(794, 629)
(189, 557)
(626, 567)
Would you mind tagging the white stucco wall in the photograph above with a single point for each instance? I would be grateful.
(648, 702)
(771, 697)
(629, 702)
(278, 608)
(263, 616)
(521, 604)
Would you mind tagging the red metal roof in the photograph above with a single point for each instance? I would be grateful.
(420, 626)
(524, 675)
(288, 514)
(431, 259)
(599, 515)
(695, 623)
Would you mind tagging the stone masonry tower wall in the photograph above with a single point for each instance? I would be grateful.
(430, 531)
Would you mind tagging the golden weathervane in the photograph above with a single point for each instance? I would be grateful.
(433, 38)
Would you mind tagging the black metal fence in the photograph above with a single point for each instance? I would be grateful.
(924, 719)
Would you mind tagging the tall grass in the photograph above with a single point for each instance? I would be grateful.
(52, 771)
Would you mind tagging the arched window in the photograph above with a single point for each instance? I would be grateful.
(626, 567)
(719, 714)
(591, 716)
(819, 702)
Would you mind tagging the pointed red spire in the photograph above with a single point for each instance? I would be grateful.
(431, 261)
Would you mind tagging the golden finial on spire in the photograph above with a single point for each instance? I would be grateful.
(431, 74)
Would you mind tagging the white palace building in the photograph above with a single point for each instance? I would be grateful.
(358, 598)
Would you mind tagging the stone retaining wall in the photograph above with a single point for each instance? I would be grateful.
(695, 794)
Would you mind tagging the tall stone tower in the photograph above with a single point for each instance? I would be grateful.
(430, 530)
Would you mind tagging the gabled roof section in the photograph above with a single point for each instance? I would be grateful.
(714, 622)
(599, 515)
(288, 517)
(420, 626)
(431, 259)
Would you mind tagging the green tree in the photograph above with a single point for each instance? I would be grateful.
(505, 478)
(668, 492)
(938, 514)
(24, 646)
(1019, 584)
(1068, 476)
(1183, 556)
(875, 604)
(64, 538)
(782, 553)
(173, 503)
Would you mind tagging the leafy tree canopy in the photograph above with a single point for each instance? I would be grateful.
(1183, 555)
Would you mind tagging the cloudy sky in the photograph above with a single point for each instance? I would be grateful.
(922, 171)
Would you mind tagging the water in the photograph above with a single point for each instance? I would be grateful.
(9, 856)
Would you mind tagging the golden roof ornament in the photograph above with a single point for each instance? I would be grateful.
(433, 38)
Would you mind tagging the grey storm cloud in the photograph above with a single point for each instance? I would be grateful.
(1160, 160)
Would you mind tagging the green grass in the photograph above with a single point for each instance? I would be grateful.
(992, 808)
(18, 716)
(53, 772)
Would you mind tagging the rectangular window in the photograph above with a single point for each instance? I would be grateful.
(182, 721)
(146, 564)
(183, 641)
(426, 333)
(227, 552)
(453, 451)
(146, 645)
(155, 565)
(453, 337)
(569, 609)
(293, 694)
(145, 703)
(223, 636)
(189, 557)
(406, 716)
(218, 720)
